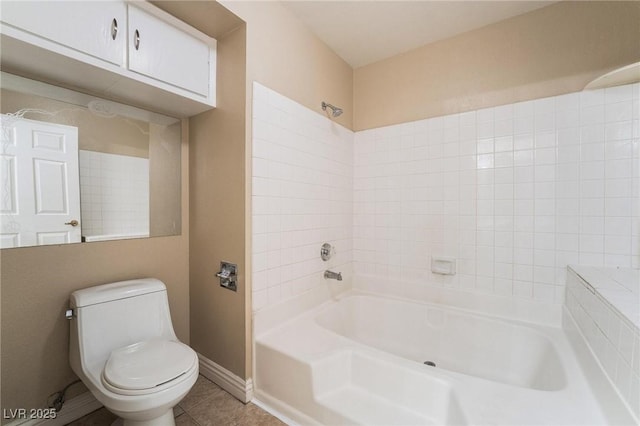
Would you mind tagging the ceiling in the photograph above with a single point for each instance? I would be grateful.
(362, 32)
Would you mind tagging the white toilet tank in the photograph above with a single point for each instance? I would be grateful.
(114, 315)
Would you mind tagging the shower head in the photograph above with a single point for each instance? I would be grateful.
(335, 111)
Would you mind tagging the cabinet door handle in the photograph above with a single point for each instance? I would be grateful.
(114, 28)
(136, 40)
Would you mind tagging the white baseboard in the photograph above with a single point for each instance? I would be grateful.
(236, 386)
(73, 409)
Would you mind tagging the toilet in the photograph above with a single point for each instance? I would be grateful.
(124, 349)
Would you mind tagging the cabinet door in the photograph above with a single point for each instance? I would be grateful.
(97, 28)
(167, 53)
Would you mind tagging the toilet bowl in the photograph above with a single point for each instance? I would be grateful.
(123, 347)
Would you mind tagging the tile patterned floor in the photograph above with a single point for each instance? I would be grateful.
(205, 405)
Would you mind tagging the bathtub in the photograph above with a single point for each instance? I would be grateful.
(371, 360)
(452, 340)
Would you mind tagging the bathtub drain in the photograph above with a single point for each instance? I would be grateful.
(430, 363)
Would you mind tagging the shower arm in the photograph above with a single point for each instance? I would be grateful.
(335, 111)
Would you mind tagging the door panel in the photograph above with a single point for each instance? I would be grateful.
(46, 140)
(9, 240)
(8, 202)
(45, 238)
(51, 186)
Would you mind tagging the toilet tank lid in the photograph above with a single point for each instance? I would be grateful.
(115, 291)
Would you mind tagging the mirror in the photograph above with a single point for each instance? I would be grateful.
(74, 167)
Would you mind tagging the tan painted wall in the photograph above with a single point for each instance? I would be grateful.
(287, 57)
(554, 50)
(284, 55)
(220, 327)
(217, 214)
(35, 285)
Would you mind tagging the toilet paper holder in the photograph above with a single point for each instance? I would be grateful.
(228, 275)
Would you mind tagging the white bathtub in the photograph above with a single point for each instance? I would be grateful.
(456, 341)
(360, 360)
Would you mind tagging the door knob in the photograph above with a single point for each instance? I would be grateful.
(72, 223)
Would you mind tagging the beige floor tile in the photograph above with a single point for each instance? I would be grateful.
(185, 420)
(177, 410)
(205, 405)
(256, 416)
(218, 409)
(201, 390)
(101, 417)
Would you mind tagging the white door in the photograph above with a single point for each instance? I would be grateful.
(97, 28)
(40, 184)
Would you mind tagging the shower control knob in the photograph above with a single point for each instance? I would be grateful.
(326, 251)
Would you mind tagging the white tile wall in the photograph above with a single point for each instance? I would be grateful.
(515, 193)
(302, 196)
(114, 194)
(613, 337)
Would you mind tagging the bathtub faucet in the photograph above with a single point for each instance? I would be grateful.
(330, 275)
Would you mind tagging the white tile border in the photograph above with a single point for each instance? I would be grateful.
(611, 337)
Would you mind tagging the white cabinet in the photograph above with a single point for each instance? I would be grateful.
(97, 28)
(162, 51)
(130, 51)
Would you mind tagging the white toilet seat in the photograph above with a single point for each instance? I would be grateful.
(148, 367)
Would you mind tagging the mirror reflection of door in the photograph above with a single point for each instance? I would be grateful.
(39, 183)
